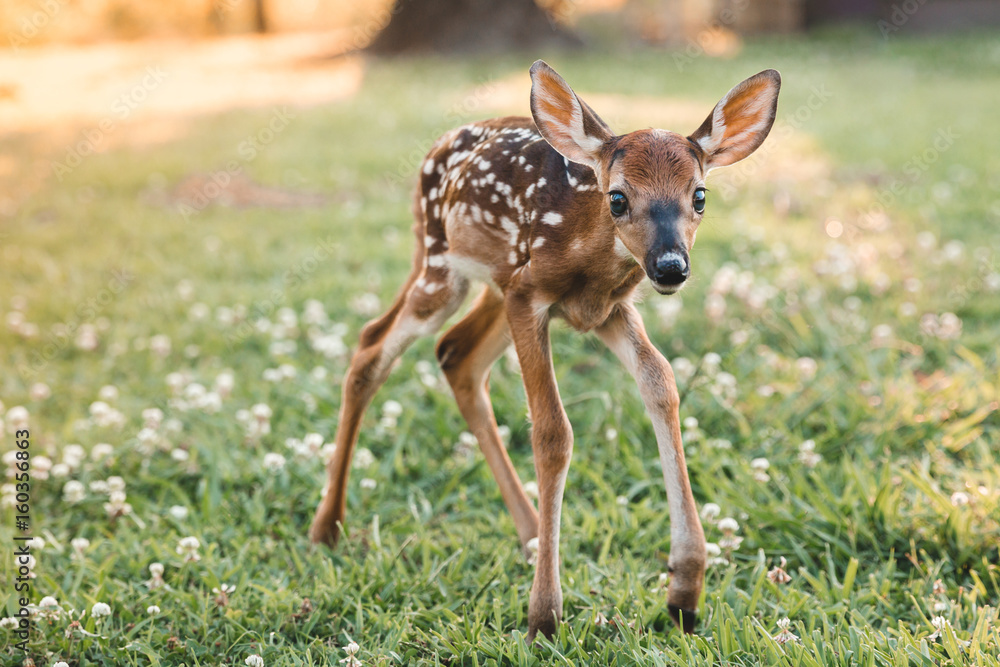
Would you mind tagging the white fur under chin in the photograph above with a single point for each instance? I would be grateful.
(667, 290)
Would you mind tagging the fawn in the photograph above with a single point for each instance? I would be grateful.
(559, 217)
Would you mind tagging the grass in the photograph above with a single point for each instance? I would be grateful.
(896, 524)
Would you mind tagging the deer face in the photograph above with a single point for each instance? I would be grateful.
(656, 198)
(654, 180)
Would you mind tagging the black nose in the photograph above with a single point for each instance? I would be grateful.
(671, 269)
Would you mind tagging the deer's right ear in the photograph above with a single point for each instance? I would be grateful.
(567, 123)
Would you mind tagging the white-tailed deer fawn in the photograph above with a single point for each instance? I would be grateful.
(559, 217)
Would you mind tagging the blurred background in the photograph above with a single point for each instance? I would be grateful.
(202, 201)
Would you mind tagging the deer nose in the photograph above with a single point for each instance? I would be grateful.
(671, 269)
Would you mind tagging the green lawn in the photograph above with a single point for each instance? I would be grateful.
(878, 346)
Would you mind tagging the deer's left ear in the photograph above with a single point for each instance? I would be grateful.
(740, 121)
(567, 123)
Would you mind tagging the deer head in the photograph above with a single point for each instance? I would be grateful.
(654, 180)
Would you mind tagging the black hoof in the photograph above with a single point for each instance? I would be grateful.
(684, 618)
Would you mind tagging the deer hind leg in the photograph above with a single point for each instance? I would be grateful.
(430, 297)
(466, 353)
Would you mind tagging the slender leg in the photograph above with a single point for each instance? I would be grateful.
(552, 443)
(416, 312)
(625, 334)
(466, 353)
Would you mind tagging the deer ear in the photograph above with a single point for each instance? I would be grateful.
(740, 121)
(567, 123)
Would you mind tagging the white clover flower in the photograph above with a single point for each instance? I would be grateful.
(709, 511)
(531, 548)
(683, 368)
(73, 455)
(108, 393)
(48, 603)
(116, 505)
(101, 451)
(152, 610)
(730, 541)
(312, 442)
(180, 455)
(611, 434)
(39, 391)
(178, 512)
(116, 483)
(392, 409)
(807, 454)
(79, 544)
(35, 543)
(254, 661)
(940, 624)
(74, 491)
(759, 466)
(363, 458)
(351, 650)
(274, 462)
(17, 418)
(621, 501)
(368, 484)
(156, 579)
(188, 547)
(959, 498)
(941, 607)
(531, 489)
(778, 575)
(100, 610)
(160, 345)
(785, 635)
(61, 663)
(10, 622)
(728, 525)
(466, 445)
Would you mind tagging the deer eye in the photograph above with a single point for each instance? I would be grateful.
(619, 204)
(699, 200)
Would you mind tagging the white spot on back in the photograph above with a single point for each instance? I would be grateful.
(552, 218)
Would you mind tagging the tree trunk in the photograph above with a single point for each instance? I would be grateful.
(467, 26)
(259, 16)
